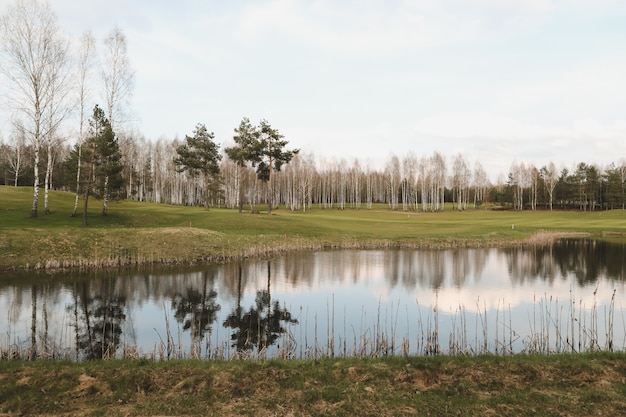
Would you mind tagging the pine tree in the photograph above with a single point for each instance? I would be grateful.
(272, 157)
(101, 155)
(199, 155)
(247, 149)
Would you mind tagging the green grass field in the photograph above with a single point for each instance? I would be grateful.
(139, 233)
(143, 233)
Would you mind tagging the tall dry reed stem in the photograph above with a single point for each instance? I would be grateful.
(553, 327)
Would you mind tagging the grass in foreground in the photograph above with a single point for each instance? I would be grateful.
(143, 233)
(555, 385)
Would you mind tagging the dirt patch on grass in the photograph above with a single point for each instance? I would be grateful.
(176, 231)
(546, 237)
(89, 386)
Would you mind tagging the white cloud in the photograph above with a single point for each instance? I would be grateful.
(496, 79)
(472, 125)
(355, 27)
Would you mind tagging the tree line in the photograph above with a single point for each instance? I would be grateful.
(195, 171)
(54, 85)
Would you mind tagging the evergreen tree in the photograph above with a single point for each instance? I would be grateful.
(109, 168)
(272, 156)
(199, 155)
(247, 149)
(101, 155)
(614, 187)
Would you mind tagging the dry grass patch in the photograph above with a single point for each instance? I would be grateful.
(544, 237)
(575, 385)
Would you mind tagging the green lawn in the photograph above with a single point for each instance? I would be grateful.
(139, 233)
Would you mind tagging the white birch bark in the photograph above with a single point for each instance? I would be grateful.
(33, 54)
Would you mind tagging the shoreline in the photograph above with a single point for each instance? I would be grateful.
(119, 257)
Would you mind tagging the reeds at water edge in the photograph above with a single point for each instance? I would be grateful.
(553, 327)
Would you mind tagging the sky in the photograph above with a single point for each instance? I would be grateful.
(498, 81)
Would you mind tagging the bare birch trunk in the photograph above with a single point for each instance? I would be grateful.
(239, 185)
(33, 212)
(105, 197)
(80, 154)
(47, 179)
(270, 198)
(90, 174)
(18, 162)
(85, 204)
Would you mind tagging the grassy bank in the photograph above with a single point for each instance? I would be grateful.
(143, 233)
(556, 385)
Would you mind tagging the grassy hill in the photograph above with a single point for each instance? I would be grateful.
(144, 233)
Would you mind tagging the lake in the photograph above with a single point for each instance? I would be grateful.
(566, 297)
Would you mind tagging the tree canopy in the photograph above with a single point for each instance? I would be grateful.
(247, 149)
(262, 146)
(101, 158)
(199, 155)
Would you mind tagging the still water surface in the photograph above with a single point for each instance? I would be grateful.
(561, 298)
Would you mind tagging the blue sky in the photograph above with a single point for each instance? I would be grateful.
(499, 81)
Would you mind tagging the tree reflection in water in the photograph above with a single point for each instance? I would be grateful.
(196, 311)
(260, 326)
(98, 322)
(102, 314)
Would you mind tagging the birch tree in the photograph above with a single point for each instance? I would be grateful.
(518, 180)
(15, 153)
(59, 109)
(440, 175)
(356, 181)
(423, 180)
(461, 178)
(145, 180)
(369, 186)
(433, 182)
(550, 177)
(117, 76)
(480, 182)
(299, 178)
(33, 54)
(229, 172)
(85, 66)
(135, 151)
(392, 176)
(118, 80)
(409, 181)
(533, 178)
(326, 183)
(52, 141)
